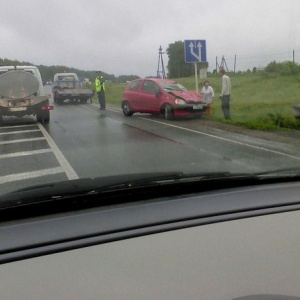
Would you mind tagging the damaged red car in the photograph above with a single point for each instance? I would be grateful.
(161, 96)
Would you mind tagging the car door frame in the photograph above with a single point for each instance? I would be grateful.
(150, 100)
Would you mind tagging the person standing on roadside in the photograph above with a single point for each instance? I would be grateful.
(100, 90)
(225, 94)
(208, 95)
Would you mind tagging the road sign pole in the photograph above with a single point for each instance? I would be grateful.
(195, 52)
(196, 77)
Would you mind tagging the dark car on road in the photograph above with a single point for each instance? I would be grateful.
(161, 96)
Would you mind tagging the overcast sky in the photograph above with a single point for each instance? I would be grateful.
(122, 37)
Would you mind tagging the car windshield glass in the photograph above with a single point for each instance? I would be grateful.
(108, 89)
(173, 86)
(149, 149)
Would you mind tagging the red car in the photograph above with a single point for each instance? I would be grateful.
(161, 96)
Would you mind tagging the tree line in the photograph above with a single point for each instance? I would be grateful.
(283, 68)
(47, 72)
(177, 67)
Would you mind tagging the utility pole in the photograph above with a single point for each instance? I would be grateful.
(223, 64)
(161, 62)
(234, 63)
(293, 56)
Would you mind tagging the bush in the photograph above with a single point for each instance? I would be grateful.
(284, 68)
(273, 120)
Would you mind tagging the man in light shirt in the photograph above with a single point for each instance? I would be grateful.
(225, 94)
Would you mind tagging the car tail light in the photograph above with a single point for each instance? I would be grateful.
(48, 107)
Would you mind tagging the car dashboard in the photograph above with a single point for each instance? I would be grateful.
(227, 243)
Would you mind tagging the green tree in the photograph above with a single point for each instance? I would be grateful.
(125, 78)
(177, 67)
(47, 72)
(283, 68)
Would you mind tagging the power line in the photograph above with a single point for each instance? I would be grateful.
(248, 62)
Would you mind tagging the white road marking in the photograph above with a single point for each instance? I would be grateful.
(225, 139)
(114, 110)
(216, 137)
(65, 167)
(30, 175)
(70, 172)
(20, 126)
(25, 153)
(20, 131)
(22, 140)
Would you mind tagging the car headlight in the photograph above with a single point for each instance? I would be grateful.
(179, 101)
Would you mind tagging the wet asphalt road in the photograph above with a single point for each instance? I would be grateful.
(82, 141)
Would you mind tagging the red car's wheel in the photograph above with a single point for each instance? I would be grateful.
(127, 111)
(168, 112)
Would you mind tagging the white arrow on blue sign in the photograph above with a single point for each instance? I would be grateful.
(195, 51)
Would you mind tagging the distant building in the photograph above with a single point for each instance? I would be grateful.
(259, 69)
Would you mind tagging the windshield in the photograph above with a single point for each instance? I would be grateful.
(235, 64)
(149, 148)
(173, 86)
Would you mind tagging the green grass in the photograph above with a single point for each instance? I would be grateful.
(259, 100)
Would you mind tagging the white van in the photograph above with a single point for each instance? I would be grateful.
(22, 93)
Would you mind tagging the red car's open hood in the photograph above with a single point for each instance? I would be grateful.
(187, 95)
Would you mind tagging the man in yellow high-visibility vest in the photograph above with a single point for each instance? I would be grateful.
(100, 90)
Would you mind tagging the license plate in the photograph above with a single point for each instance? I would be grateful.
(198, 106)
(17, 108)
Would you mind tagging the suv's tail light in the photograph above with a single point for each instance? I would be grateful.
(47, 107)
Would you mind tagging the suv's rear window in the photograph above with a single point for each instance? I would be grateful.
(28, 71)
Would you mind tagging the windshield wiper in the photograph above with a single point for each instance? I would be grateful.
(69, 188)
(130, 182)
(85, 193)
(88, 186)
(165, 183)
(280, 173)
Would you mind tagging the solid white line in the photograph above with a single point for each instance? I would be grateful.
(20, 131)
(218, 137)
(25, 153)
(225, 139)
(19, 126)
(22, 140)
(114, 110)
(28, 175)
(70, 172)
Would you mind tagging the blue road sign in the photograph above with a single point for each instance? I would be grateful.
(195, 51)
